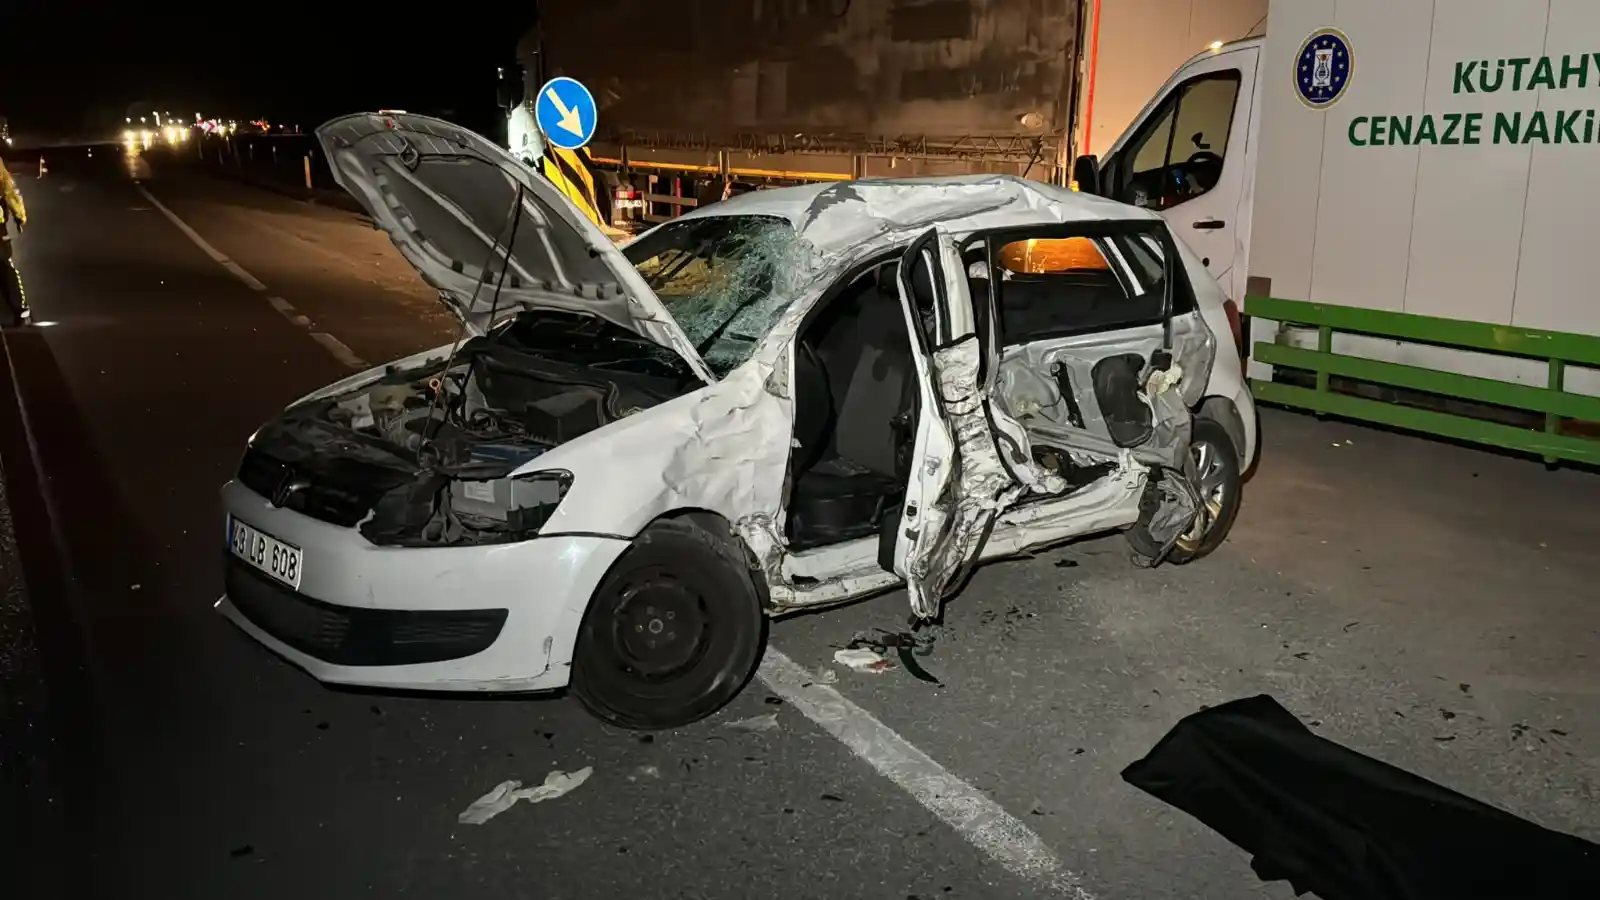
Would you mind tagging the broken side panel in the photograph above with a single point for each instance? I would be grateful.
(958, 483)
(950, 68)
(1106, 354)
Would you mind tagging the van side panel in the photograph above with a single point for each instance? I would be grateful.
(1441, 181)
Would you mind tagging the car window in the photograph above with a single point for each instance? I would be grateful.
(716, 275)
(1179, 156)
(1055, 287)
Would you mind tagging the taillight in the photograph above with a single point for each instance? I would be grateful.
(1232, 309)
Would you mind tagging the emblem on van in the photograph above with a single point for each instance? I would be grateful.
(1323, 67)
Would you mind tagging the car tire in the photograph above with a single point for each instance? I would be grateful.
(675, 630)
(1215, 461)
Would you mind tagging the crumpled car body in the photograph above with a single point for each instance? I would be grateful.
(826, 377)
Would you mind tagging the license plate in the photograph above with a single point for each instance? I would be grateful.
(265, 552)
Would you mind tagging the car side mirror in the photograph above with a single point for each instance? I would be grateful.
(508, 93)
(1086, 172)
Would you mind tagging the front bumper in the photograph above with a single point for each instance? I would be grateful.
(497, 618)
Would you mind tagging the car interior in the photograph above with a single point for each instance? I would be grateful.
(855, 412)
(856, 391)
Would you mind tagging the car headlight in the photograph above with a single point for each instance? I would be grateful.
(514, 507)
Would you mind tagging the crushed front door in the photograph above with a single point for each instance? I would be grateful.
(958, 482)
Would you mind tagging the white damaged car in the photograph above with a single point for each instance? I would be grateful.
(790, 399)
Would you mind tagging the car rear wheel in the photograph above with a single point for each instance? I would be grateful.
(674, 631)
(1213, 468)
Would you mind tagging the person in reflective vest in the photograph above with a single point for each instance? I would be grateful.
(12, 210)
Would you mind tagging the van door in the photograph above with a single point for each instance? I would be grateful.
(958, 483)
(1185, 155)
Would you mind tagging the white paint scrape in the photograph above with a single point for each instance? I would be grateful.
(975, 817)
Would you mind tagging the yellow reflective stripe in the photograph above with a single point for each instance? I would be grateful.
(737, 171)
(568, 185)
(581, 183)
(576, 164)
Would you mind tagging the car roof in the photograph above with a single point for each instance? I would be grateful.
(890, 210)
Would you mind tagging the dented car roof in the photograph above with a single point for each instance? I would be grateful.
(880, 211)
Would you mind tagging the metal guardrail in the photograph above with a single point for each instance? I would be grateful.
(1557, 349)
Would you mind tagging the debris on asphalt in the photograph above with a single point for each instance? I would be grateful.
(833, 798)
(774, 701)
(241, 852)
(765, 722)
(506, 794)
(862, 660)
(647, 739)
(907, 646)
(823, 676)
(645, 772)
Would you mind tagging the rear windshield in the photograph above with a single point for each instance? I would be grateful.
(716, 276)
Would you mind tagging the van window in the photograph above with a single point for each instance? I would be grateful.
(1180, 153)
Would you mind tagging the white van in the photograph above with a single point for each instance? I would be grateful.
(1416, 183)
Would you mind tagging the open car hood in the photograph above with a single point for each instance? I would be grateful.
(447, 198)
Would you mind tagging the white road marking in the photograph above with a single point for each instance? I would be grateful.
(975, 817)
(339, 350)
(333, 345)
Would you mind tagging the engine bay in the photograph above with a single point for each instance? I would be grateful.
(429, 450)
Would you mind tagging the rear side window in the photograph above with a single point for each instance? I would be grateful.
(1058, 287)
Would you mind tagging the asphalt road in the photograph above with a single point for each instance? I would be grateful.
(1430, 605)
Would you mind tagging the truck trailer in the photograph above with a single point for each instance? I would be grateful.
(721, 96)
(1402, 192)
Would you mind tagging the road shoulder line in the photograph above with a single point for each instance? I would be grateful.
(335, 347)
(978, 819)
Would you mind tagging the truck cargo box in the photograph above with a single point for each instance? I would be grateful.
(942, 69)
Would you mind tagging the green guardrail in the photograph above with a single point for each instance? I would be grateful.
(1557, 349)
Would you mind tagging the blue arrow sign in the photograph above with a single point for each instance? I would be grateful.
(565, 112)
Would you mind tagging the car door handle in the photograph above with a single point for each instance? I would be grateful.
(1210, 224)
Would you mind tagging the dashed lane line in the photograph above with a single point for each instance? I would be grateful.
(965, 809)
(335, 347)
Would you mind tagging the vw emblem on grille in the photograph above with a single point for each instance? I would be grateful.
(288, 487)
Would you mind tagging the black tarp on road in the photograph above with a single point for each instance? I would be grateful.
(1347, 827)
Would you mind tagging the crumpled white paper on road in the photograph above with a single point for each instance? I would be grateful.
(507, 793)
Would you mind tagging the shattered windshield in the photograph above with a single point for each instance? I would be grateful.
(719, 277)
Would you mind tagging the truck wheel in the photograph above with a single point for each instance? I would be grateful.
(674, 631)
(1213, 467)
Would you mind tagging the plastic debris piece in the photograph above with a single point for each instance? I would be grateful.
(506, 794)
(765, 722)
(863, 660)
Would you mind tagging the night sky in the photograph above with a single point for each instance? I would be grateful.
(74, 66)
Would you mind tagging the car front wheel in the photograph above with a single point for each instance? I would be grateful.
(1213, 468)
(674, 631)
